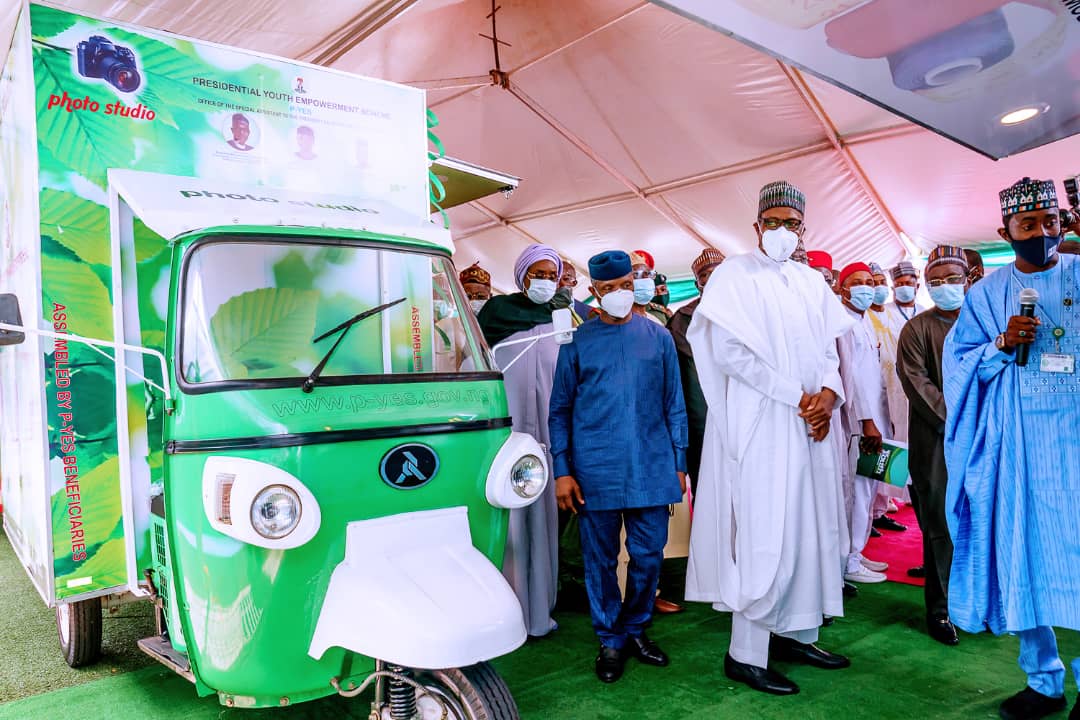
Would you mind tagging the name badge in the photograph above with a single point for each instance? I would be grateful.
(1057, 363)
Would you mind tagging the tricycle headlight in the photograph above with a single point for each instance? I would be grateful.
(275, 512)
(528, 476)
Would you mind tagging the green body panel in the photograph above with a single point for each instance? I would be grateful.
(248, 613)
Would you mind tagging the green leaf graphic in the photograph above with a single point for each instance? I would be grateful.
(78, 224)
(105, 564)
(49, 22)
(261, 332)
(90, 143)
(76, 286)
(99, 510)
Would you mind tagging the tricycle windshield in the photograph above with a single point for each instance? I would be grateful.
(263, 311)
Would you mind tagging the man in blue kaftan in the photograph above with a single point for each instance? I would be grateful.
(617, 424)
(1013, 461)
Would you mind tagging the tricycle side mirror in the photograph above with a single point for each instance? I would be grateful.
(10, 315)
(563, 324)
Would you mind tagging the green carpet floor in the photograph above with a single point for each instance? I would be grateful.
(897, 671)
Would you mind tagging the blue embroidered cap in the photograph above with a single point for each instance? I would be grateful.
(609, 265)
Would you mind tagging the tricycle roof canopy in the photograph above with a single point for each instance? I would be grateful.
(171, 206)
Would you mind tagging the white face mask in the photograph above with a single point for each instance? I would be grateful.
(541, 291)
(444, 310)
(778, 244)
(644, 290)
(476, 305)
(618, 303)
(904, 293)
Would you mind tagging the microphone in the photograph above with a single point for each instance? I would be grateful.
(1028, 298)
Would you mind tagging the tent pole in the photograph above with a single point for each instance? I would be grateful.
(552, 53)
(814, 105)
(332, 48)
(692, 181)
(656, 203)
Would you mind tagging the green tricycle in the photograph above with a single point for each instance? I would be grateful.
(316, 463)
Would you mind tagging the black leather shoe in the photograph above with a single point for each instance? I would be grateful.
(610, 664)
(942, 630)
(1075, 714)
(850, 590)
(917, 572)
(874, 532)
(647, 651)
(787, 650)
(760, 679)
(887, 523)
(1030, 704)
(827, 621)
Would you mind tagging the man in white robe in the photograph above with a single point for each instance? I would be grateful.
(766, 543)
(864, 414)
(887, 320)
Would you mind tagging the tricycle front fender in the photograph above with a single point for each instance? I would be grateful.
(412, 590)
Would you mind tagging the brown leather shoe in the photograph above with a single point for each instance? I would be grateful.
(666, 607)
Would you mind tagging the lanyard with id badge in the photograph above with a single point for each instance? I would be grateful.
(1057, 362)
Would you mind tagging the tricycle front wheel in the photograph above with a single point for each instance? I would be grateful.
(78, 626)
(470, 693)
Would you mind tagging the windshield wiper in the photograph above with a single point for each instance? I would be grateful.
(343, 328)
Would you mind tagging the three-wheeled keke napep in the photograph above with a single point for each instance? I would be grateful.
(337, 458)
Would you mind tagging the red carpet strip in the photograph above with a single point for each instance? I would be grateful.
(902, 550)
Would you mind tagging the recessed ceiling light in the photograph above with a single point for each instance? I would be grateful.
(1023, 114)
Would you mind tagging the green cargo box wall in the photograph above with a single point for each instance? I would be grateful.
(80, 97)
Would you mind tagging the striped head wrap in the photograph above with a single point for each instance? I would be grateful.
(946, 254)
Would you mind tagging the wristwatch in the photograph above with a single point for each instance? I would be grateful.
(999, 342)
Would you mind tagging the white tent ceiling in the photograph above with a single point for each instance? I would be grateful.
(631, 126)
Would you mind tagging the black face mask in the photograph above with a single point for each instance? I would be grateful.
(1037, 251)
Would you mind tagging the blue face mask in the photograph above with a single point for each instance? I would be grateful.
(1037, 251)
(881, 294)
(905, 294)
(948, 297)
(644, 290)
(862, 297)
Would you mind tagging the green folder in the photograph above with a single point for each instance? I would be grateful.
(890, 466)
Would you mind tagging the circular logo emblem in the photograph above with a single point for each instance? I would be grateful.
(410, 466)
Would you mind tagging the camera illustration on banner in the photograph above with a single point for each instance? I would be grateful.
(101, 59)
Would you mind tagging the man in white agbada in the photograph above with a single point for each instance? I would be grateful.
(887, 325)
(887, 320)
(768, 539)
(864, 413)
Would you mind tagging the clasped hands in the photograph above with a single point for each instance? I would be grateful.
(817, 411)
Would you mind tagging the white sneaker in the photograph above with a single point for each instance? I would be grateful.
(892, 506)
(864, 575)
(875, 565)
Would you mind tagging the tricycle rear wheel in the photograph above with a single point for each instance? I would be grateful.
(78, 626)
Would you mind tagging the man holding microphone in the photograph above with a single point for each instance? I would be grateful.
(1012, 393)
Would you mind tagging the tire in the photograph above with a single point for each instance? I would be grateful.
(472, 693)
(78, 626)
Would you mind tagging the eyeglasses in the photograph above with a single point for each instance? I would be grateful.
(951, 280)
(552, 276)
(644, 274)
(774, 223)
